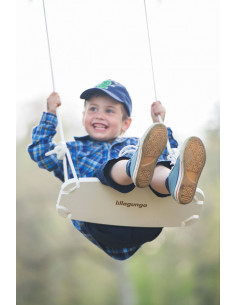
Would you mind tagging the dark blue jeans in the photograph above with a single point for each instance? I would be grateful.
(103, 174)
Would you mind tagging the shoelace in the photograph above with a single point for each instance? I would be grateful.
(173, 156)
(127, 149)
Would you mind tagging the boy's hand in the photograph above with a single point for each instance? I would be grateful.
(157, 109)
(53, 102)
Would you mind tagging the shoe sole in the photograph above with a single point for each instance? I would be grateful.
(150, 150)
(191, 166)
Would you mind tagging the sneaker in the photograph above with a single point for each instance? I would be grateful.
(183, 178)
(143, 161)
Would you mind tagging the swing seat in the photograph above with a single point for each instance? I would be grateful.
(98, 203)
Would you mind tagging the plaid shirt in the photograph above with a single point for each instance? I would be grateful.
(87, 154)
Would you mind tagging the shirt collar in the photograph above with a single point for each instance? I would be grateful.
(88, 138)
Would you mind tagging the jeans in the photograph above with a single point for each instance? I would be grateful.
(103, 174)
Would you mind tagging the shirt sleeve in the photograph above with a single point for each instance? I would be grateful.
(42, 136)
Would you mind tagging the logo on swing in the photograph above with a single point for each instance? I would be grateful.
(131, 204)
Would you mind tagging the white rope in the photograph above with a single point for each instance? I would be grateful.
(150, 52)
(49, 49)
(173, 154)
(61, 149)
(52, 73)
(169, 149)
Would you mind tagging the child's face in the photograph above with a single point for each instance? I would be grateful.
(103, 119)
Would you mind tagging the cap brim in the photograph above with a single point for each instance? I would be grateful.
(89, 92)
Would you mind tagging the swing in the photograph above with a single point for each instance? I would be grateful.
(88, 200)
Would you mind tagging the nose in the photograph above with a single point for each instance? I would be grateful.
(100, 115)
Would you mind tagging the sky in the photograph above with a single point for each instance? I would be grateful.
(92, 41)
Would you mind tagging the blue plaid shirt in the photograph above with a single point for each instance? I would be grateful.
(87, 154)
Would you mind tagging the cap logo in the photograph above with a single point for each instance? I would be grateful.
(106, 84)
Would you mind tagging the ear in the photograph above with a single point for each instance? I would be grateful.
(83, 117)
(126, 124)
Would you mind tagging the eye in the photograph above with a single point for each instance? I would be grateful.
(109, 110)
(93, 109)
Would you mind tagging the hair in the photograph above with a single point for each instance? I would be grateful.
(100, 94)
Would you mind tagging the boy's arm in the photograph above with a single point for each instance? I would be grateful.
(42, 136)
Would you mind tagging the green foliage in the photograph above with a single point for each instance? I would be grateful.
(182, 267)
(57, 265)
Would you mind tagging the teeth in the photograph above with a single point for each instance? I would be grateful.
(99, 126)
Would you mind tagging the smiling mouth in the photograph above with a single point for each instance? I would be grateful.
(97, 126)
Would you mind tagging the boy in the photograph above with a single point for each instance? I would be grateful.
(107, 115)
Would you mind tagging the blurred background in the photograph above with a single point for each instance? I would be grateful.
(92, 41)
(57, 265)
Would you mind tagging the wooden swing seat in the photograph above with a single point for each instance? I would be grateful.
(98, 203)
